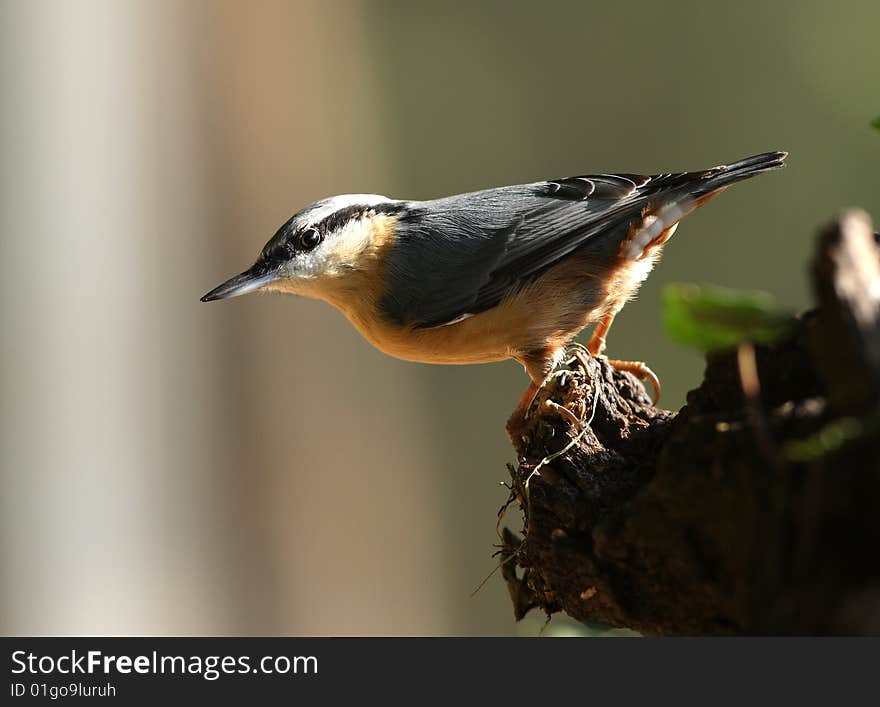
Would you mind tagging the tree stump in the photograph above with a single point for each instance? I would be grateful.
(753, 510)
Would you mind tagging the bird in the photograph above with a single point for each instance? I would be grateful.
(514, 272)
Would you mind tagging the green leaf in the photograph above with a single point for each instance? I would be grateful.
(876, 123)
(710, 318)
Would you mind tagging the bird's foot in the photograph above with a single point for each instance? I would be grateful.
(638, 368)
(641, 371)
(580, 353)
(517, 424)
(520, 416)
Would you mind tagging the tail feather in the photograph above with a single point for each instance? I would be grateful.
(727, 174)
(696, 188)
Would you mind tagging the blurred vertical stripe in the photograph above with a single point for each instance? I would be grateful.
(170, 467)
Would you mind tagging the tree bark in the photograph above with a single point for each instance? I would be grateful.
(753, 510)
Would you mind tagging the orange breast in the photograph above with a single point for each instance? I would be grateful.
(547, 313)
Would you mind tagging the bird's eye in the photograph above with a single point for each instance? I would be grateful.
(309, 239)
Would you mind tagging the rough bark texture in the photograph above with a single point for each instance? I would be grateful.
(709, 520)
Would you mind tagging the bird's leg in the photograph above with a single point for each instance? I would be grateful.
(596, 345)
(517, 421)
(541, 366)
(525, 402)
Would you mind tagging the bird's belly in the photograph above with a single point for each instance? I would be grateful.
(525, 323)
(460, 343)
(542, 317)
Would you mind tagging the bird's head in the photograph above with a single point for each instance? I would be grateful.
(320, 249)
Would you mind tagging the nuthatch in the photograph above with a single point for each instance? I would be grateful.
(513, 272)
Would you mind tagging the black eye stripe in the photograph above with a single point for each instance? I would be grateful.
(342, 217)
(288, 241)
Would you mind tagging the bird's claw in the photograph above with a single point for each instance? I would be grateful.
(641, 371)
(579, 353)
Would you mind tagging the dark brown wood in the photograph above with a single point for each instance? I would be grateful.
(715, 520)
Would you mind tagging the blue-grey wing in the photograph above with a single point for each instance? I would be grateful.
(464, 254)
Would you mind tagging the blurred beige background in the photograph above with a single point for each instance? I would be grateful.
(252, 466)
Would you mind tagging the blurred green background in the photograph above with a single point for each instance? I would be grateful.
(253, 466)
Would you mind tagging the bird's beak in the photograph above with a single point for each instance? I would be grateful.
(241, 284)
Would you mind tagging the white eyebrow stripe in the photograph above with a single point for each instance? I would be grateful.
(330, 206)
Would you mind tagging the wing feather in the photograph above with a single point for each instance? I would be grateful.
(462, 255)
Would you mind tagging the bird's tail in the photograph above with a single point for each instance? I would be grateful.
(724, 175)
(690, 190)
